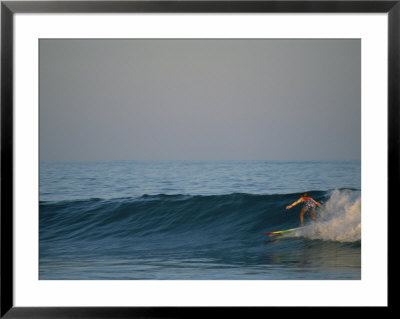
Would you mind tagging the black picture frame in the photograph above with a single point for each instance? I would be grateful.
(9, 8)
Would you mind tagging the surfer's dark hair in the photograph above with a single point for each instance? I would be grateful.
(304, 194)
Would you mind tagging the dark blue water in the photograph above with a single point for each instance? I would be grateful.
(198, 220)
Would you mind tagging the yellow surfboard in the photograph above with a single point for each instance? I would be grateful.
(278, 232)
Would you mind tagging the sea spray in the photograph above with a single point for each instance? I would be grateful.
(338, 220)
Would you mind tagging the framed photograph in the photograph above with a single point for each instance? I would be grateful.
(175, 158)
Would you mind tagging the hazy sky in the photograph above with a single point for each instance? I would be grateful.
(200, 99)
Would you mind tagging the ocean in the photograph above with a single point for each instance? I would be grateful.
(198, 220)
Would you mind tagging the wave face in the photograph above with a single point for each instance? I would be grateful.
(215, 216)
(200, 231)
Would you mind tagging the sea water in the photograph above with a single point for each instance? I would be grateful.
(184, 220)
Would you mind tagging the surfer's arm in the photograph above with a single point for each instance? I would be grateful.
(318, 204)
(295, 203)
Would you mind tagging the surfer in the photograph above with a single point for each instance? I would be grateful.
(309, 204)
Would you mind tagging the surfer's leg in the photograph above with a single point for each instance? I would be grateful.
(303, 210)
(312, 214)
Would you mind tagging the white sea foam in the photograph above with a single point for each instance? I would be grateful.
(339, 219)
